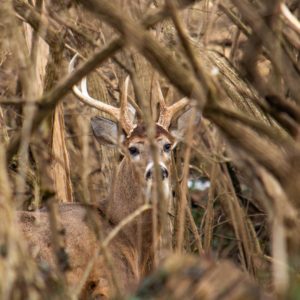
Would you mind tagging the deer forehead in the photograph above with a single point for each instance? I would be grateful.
(142, 142)
(139, 135)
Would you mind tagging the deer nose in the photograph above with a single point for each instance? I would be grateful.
(163, 171)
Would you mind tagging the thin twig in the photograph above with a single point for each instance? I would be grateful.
(104, 244)
(290, 19)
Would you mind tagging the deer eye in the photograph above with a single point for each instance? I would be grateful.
(134, 151)
(167, 147)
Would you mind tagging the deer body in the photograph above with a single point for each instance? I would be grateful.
(81, 243)
(131, 250)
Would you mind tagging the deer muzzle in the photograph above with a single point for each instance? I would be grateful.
(150, 171)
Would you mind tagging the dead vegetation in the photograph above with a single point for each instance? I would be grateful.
(236, 61)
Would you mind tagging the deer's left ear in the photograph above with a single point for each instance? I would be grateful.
(180, 126)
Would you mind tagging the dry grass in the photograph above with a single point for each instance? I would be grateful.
(237, 61)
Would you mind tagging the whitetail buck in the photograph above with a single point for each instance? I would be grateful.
(131, 260)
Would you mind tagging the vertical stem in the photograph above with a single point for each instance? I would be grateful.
(182, 205)
(209, 217)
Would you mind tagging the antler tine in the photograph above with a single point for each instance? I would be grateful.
(125, 121)
(161, 98)
(167, 113)
(119, 114)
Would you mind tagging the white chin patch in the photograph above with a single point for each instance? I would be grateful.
(165, 189)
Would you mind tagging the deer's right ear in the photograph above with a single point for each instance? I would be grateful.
(105, 131)
(180, 127)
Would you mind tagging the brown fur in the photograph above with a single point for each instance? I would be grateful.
(141, 132)
(131, 250)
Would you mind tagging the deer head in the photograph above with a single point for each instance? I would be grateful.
(131, 249)
(135, 173)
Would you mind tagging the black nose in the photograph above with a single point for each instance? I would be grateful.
(149, 174)
(163, 171)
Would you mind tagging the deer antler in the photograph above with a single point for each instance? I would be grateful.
(167, 113)
(119, 114)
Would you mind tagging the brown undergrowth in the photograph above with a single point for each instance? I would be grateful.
(236, 173)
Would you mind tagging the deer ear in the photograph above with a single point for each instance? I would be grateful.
(105, 131)
(180, 126)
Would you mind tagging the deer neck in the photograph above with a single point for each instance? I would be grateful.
(128, 195)
(127, 192)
